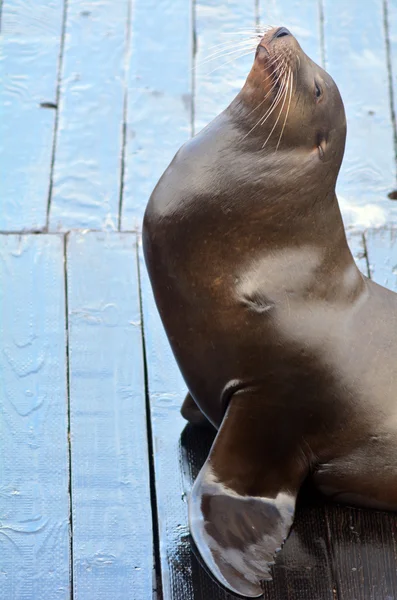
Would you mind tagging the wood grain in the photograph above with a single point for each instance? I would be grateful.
(159, 108)
(30, 45)
(87, 169)
(220, 67)
(355, 50)
(112, 527)
(382, 255)
(34, 470)
(303, 19)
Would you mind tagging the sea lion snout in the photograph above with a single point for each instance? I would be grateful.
(281, 32)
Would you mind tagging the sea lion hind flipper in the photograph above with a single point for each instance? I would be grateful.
(242, 503)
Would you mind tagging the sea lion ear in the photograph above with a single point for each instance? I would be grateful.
(236, 524)
(321, 144)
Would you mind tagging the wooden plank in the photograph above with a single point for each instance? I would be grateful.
(219, 77)
(364, 553)
(112, 527)
(356, 58)
(303, 568)
(382, 255)
(159, 98)
(87, 168)
(34, 470)
(29, 53)
(302, 17)
(391, 31)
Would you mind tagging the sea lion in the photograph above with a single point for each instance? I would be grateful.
(286, 348)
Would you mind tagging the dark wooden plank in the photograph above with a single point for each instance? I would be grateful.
(303, 569)
(34, 468)
(87, 169)
(219, 72)
(29, 49)
(382, 254)
(159, 98)
(364, 553)
(355, 51)
(112, 527)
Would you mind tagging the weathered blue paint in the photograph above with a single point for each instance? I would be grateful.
(222, 63)
(382, 255)
(356, 58)
(167, 390)
(34, 471)
(159, 98)
(302, 17)
(87, 168)
(29, 52)
(112, 531)
(391, 14)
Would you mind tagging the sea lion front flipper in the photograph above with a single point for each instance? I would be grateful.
(242, 503)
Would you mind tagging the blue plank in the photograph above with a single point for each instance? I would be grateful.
(382, 256)
(34, 470)
(356, 58)
(87, 167)
(29, 53)
(166, 391)
(221, 70)
(302, 17)
(112, 531)
(159, 98)
(391, 15)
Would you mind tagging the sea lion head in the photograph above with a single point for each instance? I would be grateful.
(290, 103)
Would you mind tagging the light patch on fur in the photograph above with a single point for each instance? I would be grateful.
(266, 277)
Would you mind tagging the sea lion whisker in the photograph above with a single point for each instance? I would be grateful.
(217, 55)
(271, 76)
(259, 29)
(260, 118)
(231, 44)
(228, 62)
(275, 102)
(259, 105)
(251, 38)
(291, 84)
(256, 108)
(277, 72)
(279, 115)
(273, 105)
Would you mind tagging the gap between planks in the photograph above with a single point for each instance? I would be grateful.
(56, 122)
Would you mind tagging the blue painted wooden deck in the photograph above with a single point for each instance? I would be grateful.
(95, 460)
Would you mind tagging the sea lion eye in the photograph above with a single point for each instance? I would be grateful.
(319, 91)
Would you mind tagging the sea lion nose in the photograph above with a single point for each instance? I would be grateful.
(281, 32)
